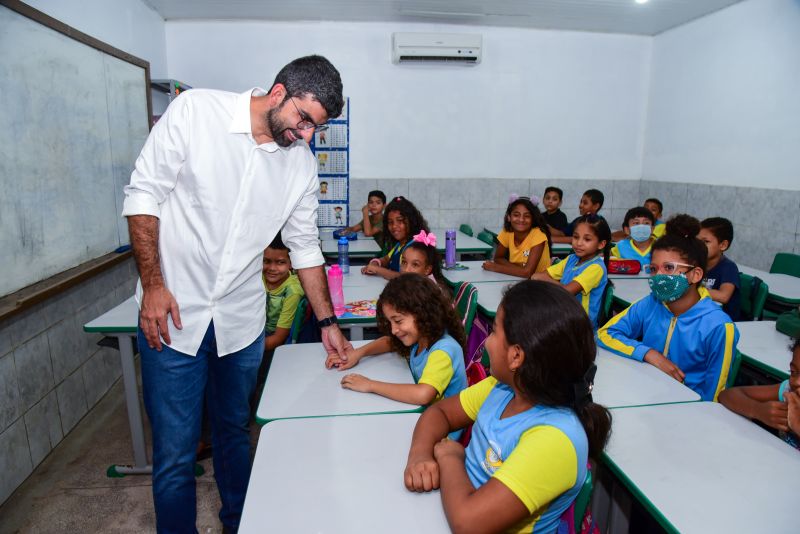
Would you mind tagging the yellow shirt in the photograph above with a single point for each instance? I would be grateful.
(518, 255)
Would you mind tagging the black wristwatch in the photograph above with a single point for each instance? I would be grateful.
(327, 321)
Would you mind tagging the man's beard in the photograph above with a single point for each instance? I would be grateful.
(278, 130)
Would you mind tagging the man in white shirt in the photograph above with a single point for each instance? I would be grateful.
(219, 176)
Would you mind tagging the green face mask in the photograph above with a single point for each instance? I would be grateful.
(668, 287)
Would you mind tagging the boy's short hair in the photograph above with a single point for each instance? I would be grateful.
(721, 227)
(277, 243)
(377, 193)
(554, 189)
(657, 203)
(596, 196)
(638, 211)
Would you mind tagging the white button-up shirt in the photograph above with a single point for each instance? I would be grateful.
(221, 198)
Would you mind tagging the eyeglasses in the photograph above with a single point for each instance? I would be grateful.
(668, 267)
(305, 121)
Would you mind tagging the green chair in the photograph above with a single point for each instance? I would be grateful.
(582, 500)
(466, 303)
(491, 232)
(753, 292)
(607, 302)
(486, 237)
(734, 371)
(465, 229)
(299, 319)
(786, 263)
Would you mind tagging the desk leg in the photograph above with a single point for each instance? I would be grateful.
(356, 333)
(140, 467)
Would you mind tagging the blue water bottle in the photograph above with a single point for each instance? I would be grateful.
(344, 255)
(450, 248)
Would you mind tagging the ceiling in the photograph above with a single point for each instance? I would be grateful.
(612, 16)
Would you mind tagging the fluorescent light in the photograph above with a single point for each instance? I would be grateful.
(641, 1)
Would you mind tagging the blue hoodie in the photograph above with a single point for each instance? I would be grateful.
(701, 341)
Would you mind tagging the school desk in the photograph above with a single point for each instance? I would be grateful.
(476, 273)
(335, 475)
(465, 244)
(489, 296)
(765, 348)
(698, 467)
(629, 290)
(621, 382)
(120, 322)
(356, 325)
(360, 248)
(298, 385)
(782, 287)
(355, 278)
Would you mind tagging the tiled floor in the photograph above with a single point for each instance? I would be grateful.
(69, 492)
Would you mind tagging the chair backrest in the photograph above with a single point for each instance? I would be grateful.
(486, 237)
(466, 303)
(786, 263)
(734, 370)
(606, 301)
(571, 521)
(753, 292)
(490, 232)
(465, 229)
(299, 319)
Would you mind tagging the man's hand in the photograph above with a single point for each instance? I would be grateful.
(335, 343)
(157, 303)
(657, 359)
(333, 360)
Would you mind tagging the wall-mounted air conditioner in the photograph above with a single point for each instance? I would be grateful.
(459, 48)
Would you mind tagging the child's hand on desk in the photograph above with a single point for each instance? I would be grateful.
(369, 269)
(334, 360)
(653, 357)
(448, 448)
(488, 265)
(421, 474)
(774, 414)
(793, 409)
(356, 382)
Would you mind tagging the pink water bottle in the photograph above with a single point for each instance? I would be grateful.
(335, 287)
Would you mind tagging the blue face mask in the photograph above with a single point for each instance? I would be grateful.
(641, 232)
(668, 287)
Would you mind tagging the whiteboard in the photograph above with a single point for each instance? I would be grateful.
(72, 122)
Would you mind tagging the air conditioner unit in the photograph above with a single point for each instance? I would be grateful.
(457, 48)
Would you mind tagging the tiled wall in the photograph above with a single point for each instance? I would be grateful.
(766, 221)
(52, 373)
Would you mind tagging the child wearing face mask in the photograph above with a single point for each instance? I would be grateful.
(678, 328)
(638, 228)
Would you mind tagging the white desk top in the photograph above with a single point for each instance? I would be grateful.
(476, 273)
(123, 318)
(359, 247)
(783, 286)
(630, 290)
(299, 385)
(355, 279)
(327, 235)
(706, 469)
(765, 347)
(622, 382)
(489, 296)
(336, 475)
(464, 242)
(641, 275)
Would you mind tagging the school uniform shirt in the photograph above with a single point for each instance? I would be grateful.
(788, 436)
(518, 254)
(659, 229)
(539, 454)
(571, 226)
(395, 253)
(221, 198)
(441, 366)
(557, 219)
(627, 250)
(701, 341)
(726, 272)
(591, 275)
(282, 303)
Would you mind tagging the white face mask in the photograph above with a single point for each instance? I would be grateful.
(641, 232)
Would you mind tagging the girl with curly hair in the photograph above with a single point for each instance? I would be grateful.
(401, 221)
(420, 324)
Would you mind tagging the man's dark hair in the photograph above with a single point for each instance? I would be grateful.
(315, 76)
(596, 196)
(378, 194)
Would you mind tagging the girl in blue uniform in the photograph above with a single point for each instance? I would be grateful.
(534, 424)
(584, 273)
(677, 328)
(401, 221)
(420, 324)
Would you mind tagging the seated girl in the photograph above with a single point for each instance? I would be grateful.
(773, 405)
(524, 241)
(534, 424)
(419, 323)
(421, 257)
(401, 221)
(677, 328)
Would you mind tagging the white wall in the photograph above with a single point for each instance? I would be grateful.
(724, 106)
(543, 104)
(129, 25)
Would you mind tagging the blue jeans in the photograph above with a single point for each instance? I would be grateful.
(175, 387)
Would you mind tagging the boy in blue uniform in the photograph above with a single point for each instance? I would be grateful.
(638, 228)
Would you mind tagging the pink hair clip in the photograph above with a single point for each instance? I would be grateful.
(426, 238)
